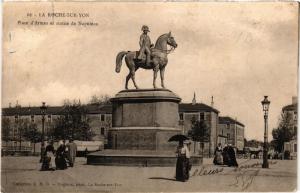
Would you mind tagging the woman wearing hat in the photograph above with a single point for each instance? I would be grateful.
(218, 155)
(60, 159)
(48, 157)
(182, 165)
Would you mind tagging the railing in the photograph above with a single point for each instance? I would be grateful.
(17, 148)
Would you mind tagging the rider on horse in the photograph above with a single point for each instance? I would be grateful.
(145, 45)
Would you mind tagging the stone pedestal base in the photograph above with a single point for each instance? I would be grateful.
(142, 138)
(142, 123)
(144, 120)
(137, 158)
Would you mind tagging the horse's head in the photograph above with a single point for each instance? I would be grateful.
(171, 41)
(164, 40)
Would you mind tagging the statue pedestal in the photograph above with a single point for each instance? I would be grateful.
(144, 120)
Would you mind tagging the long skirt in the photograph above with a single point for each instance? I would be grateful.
(182, 169)
(218, 158)
(60, 163)
(48, 162)
(226, 158)
(232, 161)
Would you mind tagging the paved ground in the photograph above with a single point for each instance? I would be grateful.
(21, 174)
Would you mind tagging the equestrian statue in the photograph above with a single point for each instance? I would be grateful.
(148, 57)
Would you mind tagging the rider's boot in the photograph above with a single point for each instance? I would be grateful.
(139, 57)
(148, 60)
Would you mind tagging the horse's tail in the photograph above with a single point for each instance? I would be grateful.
(119, 60)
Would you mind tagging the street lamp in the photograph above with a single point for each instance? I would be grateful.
(265, 103)
(43, 111)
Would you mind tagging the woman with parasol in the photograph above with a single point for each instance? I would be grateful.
(183, 156)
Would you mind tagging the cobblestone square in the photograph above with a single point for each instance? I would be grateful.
(21, 174)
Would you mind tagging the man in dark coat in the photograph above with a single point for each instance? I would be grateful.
(145, 44)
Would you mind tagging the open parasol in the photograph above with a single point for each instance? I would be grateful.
(178, 137)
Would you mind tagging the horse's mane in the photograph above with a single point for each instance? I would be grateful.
(160, 38)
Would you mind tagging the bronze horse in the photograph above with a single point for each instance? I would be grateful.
(158, 62)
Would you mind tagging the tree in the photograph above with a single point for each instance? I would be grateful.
(5, 130)
(284, 132)
(253, 143)
(102, 99)
(73, 123)
(32, 134)
(22, 127)
(6, 127)
(199, 132)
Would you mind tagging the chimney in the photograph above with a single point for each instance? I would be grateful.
(212, 101)
(294, 100)
(17, 104)
(194, 99)
(9, 105)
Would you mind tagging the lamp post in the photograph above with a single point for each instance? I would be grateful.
(265, 103)
(43, 111)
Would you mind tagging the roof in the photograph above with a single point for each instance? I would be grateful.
(97, 109)
(56, 110)
(30, 111)
(226, 120)
(292, 107)
(190, 107)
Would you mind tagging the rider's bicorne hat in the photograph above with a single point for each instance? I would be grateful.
(145, 28)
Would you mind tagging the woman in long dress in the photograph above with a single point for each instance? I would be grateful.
(60, 159)
(232, 158)
(182, 165)
(226, 158)
(218, 155)
(48, 157)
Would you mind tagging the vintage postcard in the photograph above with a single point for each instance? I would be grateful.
(110, 96)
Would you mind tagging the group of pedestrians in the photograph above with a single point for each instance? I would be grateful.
(60, 158)
(225, 156)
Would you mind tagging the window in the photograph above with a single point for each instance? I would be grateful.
(102, 130)
(201, 116)
(49, 118)
(228, 136)
(83, 117)
(181, 116)
(16, 118)
(228, 126)
(222, 132)
(32, 118)
(207, 117)
(295, 148)
(102, 117)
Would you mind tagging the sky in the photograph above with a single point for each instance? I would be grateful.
(236, 52)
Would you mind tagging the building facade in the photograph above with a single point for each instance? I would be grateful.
(221, 130)
(200, 112)
(231, 132)
(292, 111)
(100, 119)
